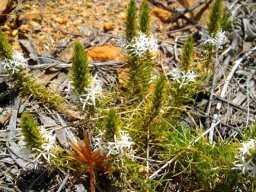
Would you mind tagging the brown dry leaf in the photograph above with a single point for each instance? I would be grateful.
(106, 53)
(46, 78)
(163, 15)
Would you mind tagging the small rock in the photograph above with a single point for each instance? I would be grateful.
(106, 53)
(108, 26)
(88, 5)
(61, 20)
(86, 30)
(36, 26)
(163, 15)
(14, 32)
(24, 28)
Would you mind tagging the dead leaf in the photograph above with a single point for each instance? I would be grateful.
(108, 26)
(163, 15)
(106, 53)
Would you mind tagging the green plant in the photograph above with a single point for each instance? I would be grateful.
(111, 125)
(5, 48)
(130, 23)
(28, 85)
(81, 77)
(140, 49)
(31, 132)
(215, 20)
(145, 18)
(186, 58)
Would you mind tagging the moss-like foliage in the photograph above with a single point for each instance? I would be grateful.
(186, 58)
(81, 76)
(111, 125)
(139, 76)
(29, 86)
(31, 132)
(145, 18)
(158, 97)
(5, 48)
(215, 21)
(130, 23)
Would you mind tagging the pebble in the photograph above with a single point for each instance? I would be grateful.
(36, 26)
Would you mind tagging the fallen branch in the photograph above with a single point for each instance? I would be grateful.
(224, 90)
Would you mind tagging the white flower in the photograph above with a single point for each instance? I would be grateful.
(217, 41)
(118, 146)
(15, 64)
(244, 161)
(93, 91)
(247, 146)
(139, 45)
(48, 146)
(182, 77)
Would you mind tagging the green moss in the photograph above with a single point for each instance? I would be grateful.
(81, 77)
(29, 86)
(111, 125)
(31, 132)
(145, 18)
(5, 48)
(130, 23)
(186, 58)
(215, 20)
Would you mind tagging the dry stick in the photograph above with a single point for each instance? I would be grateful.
(235, 105)
(230, 50)
(224, 90)
(248, 101)
(191, 8)
(161, 168)
(62, 65)
(147, 150)
(63, 183)
(214, 82)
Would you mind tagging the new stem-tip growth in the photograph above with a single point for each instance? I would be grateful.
(81, 77)
(130, 23)
(31, 132)
(5, 48)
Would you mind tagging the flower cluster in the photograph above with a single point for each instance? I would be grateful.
(48, 146)
(89, 98)
(216, 41)
(15, 64)
(141, 44)
(245, 161)
(183, 77)
(94, 90)
(118, 146)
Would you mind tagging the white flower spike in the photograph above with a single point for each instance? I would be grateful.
(118, 146)
(244, 161)
(217, 41)
(93, 91)
(139, 45)
(15, 64)
(182, 77)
